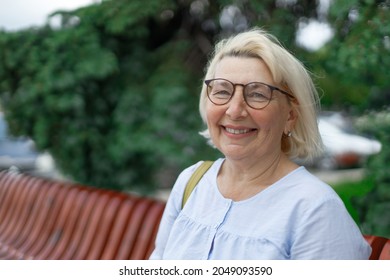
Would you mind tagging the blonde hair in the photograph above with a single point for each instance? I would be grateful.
(305, 141)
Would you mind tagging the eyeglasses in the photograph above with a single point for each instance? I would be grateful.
(257, 95)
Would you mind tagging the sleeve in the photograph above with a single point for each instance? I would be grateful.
(171, 211)
(327, 231)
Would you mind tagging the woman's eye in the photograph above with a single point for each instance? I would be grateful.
(257, 96)
(222, 94)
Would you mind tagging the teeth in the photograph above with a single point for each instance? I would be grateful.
(237, 131)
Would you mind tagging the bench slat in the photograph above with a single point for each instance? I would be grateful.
(28, 230)
(385, 253)
(91, 227)
(81, 226)
(64, 231)
(21, 215)
(104, 227)
(48, 214)
(116, 239)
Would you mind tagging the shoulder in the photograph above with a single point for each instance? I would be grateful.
(182, 180)
(322, 219)
(304, 193)
(185, 175)
(308, 185)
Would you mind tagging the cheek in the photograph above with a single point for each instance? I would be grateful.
(270, 122)
(263, 119)
(213, 115)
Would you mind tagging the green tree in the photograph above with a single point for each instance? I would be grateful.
(356, 61)
(90, 93)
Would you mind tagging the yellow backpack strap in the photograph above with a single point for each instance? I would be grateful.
(194, 179)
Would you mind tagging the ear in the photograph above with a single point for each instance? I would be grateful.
(292, 117)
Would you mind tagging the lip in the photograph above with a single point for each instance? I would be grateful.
(238, 131)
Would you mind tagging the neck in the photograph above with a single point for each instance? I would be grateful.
(241, 179)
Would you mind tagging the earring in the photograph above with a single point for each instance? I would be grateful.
(289, 134)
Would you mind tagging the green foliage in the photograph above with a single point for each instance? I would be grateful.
(361, 48)
(358, 57)
(110, 104)
(374, 208)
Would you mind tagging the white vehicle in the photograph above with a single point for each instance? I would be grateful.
(343, 147)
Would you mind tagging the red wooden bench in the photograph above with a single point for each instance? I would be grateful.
(47, 219)
(380, 247)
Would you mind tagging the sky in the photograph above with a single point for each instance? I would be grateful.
(314, 34)
(19, 14)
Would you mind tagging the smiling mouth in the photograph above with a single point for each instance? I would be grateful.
(238, 131)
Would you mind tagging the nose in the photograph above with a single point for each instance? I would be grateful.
(237, 107)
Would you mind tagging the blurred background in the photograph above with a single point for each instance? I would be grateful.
(105, 93)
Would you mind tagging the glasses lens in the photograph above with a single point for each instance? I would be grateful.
(220, 91)
(257, 95)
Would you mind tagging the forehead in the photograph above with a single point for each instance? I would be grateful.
(243, 70)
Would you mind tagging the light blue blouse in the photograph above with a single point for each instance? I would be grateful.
(298, 217)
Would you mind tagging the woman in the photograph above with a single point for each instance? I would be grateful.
(259, 104)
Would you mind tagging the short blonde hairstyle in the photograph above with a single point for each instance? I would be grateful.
(305, 141)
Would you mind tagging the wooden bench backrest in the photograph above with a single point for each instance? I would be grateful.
(380, 247)
(45, 219)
